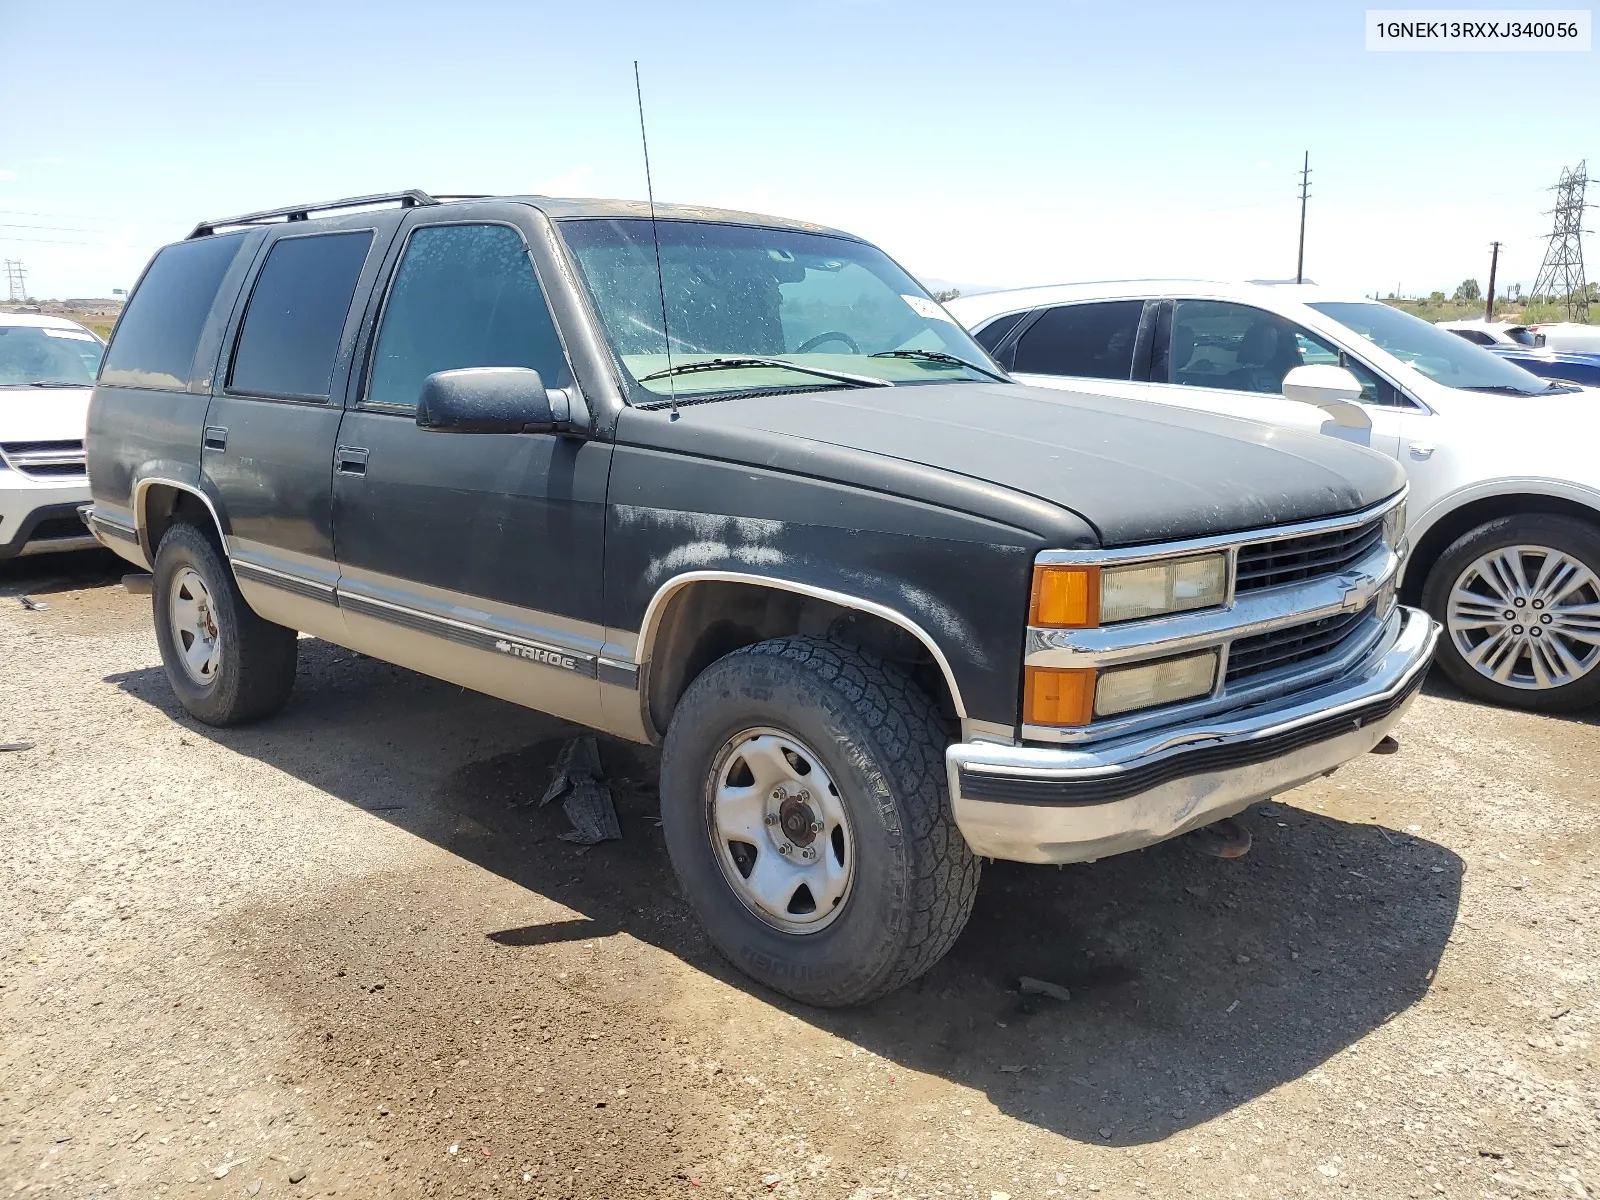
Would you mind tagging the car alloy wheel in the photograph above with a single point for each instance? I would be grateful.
(1526, 616)
(781, 833)
(194, 626)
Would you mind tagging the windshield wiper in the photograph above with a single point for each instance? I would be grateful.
(1503, 389)
(55, 383)
(731, 364)
(939, 356)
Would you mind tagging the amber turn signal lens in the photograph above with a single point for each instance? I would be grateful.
(1059, 697)
(1065, 597)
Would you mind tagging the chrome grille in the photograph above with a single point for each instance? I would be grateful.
(1297, 644)
(45, 460)
(1290, 560)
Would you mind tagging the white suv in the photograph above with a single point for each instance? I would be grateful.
(1505, 480)
(47, 367)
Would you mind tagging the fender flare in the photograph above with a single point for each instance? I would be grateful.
(656, 609)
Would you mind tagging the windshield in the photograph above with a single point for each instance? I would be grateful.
(48, 357)
(1437, 353)
(825, 304)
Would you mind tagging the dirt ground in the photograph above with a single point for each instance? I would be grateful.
(342, 953)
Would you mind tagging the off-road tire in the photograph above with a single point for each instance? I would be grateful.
(1576, 538)
(257, 664)
(882, 742)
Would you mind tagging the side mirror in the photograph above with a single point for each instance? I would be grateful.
(485, 400)
(1332, 389)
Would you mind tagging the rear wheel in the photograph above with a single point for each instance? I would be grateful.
(806, 813)
(225, 663)
(1519, 599)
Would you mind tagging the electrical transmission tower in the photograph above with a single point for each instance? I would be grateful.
(16, 280)
(1561, 276)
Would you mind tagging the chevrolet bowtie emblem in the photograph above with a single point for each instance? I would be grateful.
(1358, 589)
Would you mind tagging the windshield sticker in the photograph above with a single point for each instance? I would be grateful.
(74, 335)
(924, 307)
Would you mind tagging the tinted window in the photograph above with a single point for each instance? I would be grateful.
(1244, 349)
(1092, 340)
(296, 315)
(992, 334)
(464, 296)
(1476, 336)
(155, 340)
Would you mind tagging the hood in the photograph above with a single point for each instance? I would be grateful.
(1137, 472)
(43, 414)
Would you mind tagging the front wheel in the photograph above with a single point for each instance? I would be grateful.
(1519, 599)
(806, 813)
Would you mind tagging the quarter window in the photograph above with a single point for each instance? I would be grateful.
(464, 296)
(1094, 341)
(296, 317)
(995, 332)
(155, 341)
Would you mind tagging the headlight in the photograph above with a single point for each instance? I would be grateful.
(1394, 528)
(1084, 597)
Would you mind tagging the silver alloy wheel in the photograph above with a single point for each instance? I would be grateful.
(1527, 617)
(780, 830)
(194, 626)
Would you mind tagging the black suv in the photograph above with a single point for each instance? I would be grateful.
(737, 485)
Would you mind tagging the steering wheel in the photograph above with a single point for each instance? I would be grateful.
(831, 336)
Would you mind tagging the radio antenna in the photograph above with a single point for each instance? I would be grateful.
(655, 238)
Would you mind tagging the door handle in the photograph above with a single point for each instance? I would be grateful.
(350, 460)
(216, 437)
(1421, 450)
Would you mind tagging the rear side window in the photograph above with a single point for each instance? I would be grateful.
(155, 341)
(464, 296)
(1094, 341)
(296, 316)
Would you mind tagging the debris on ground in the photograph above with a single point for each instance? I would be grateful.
(139, 583)
(588, 804)
(1222, 839)
(297, 1174)
(1042, 987)
(7, 746)
(32, 605)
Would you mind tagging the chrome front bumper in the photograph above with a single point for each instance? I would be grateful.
(1058, 805)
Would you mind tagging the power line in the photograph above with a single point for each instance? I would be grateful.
(61, 228)
(1561, 275)
(50, 241)
(20, 212)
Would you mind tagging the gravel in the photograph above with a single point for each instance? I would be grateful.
(323, 950)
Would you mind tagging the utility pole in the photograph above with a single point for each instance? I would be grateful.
(16, 280)
(1562, 274)
(1305, 191)
(1494, 261)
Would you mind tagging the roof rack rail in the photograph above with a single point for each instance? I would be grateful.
(412, 198)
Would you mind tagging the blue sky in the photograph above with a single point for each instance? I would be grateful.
(1009, 143)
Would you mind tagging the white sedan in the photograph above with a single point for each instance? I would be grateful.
(47, 367)
(1505, 482)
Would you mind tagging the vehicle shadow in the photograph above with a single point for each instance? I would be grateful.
(1440, 687)
(41, 574)
(1195, 984)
